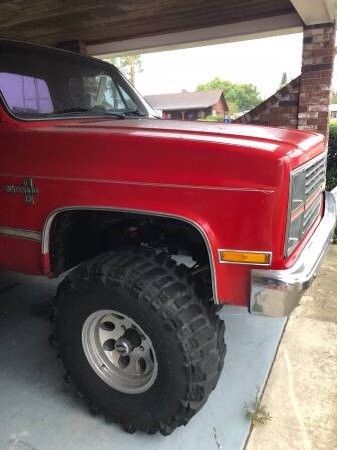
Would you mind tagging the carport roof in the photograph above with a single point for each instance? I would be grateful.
(119, 26)
(52, 21)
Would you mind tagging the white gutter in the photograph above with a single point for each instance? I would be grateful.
(240, 31)
(314, 12)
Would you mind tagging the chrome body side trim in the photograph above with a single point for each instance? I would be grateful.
(276, 293)
(244, 251)
(47, 226)
(142, 183)
(20, 233)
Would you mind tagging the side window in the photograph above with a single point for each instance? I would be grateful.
(25, 94)
(113, 95)
(127, 99)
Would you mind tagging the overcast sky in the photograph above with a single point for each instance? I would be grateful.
(260, 61)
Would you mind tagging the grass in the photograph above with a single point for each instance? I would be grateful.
(256, 412)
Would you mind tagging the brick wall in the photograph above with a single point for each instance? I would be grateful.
(304, 102)
(281, 109)
(315, 87)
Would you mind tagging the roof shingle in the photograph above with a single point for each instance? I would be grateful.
(184, 100)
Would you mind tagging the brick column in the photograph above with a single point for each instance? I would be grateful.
(73, 46)
(315, 86)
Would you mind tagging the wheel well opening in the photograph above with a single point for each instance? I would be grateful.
(77, 236)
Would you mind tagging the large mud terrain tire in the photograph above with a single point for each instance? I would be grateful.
(136, 340)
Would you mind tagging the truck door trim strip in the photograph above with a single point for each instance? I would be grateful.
(20, 233)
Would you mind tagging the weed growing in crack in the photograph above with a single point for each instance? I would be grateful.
(256, 412)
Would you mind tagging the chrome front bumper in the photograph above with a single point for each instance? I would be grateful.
(276, 293)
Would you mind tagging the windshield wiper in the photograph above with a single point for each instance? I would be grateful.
(91, 111)
(95, 110)
(72, 110)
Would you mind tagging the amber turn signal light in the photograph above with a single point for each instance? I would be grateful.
(245, 257)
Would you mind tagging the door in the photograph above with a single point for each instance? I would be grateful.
(20, 236)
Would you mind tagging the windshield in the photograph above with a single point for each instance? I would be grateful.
(37, 82)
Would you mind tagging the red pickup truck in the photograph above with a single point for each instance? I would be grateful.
(161, 223)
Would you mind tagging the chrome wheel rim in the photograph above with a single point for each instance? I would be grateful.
(119, 351)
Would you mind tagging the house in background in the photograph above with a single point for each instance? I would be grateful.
(189, 105)
(333, 111)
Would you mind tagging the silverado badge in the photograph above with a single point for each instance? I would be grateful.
(27, 189)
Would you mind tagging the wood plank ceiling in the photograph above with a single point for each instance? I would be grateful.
(99, 21)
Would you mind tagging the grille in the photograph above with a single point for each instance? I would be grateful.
(307, 184)
(315, 177)
(310, 215)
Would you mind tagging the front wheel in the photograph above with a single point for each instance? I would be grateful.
(137, 341)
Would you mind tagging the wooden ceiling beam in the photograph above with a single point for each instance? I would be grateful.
(99, 21)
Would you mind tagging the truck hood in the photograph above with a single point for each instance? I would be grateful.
(264, 138)
(164, 152)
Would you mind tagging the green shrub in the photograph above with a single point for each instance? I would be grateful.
(213, 118)
(331, 173)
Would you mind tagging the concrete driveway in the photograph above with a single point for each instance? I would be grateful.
(301, 394)
(38, 410)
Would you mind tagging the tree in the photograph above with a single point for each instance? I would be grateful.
(334, 97)
(284, 79)
(239, 97)
(129, 65)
